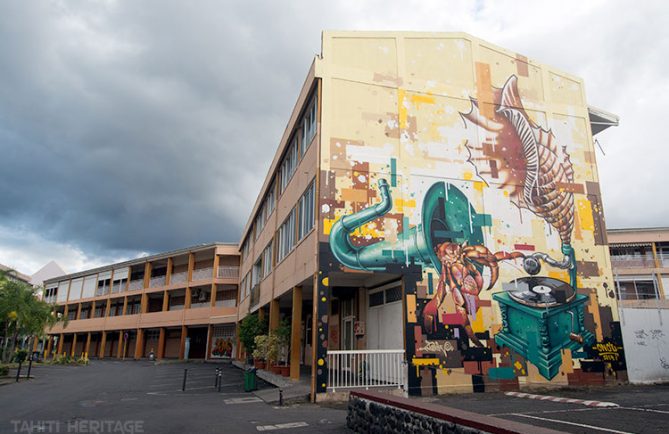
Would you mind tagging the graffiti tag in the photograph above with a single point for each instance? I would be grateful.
(435, 347)
(608, 351)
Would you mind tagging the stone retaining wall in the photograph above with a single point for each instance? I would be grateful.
(377, 413)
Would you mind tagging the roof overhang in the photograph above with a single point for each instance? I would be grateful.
(601, 119)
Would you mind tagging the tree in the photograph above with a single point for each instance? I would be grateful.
(250, 327)
(22, 314)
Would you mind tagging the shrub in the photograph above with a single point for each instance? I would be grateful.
(4, 370)
(20, 355)
(261, 347)
(250, 327)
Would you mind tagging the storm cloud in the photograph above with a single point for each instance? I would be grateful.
(142, 126)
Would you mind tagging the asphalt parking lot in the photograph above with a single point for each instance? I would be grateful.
(636, 409)
(140, 397)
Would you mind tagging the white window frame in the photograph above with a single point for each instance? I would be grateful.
(307, 212)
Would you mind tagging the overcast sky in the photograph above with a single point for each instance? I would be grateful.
(133, 127)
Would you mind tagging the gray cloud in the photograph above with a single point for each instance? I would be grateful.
(149, 125)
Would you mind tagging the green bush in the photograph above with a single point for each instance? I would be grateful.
(4, 370)
(20, 356)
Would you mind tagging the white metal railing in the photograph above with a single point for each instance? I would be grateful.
(202, 273)
(178, 277)
(632, 261)
(135, 285)
(157, 282)
(349, 369)
(228, 271)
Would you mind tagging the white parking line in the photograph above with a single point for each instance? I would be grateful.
(589, 403)
(582, 425)
(281, 426)
(243, 400)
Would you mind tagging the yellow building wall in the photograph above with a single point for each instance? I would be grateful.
(419, 109)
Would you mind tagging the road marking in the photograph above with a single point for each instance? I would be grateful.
(588, 403)
(281, 426)
(243, 400)
(582, 425)
(645, 409)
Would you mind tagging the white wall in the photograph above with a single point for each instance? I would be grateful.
(646, 342)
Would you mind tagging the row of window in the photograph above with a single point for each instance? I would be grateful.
(296, 226)
(287, 167)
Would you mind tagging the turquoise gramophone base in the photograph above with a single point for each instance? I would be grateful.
(539, 334)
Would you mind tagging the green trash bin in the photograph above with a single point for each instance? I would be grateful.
(250, 381)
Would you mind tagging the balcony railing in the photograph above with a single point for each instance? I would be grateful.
(228, 272)
(632, 261)
(203, 273)
(179, 277)
(136, 285)
(255, 296)
(157, 282)
(354, 369)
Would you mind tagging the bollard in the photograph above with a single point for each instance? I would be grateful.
(183, 386)
(216, 378)
(18, 372)
(280, 397)
(220, 374)
(30, 365)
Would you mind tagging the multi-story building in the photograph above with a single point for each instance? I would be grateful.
(174, 304)
(432, 219)
(640, 261)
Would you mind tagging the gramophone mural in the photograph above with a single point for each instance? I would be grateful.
(490, 212)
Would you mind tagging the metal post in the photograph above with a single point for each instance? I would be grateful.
(18, 372)
(280, 397)
(220, 374)
(30, 365)
(183, 386)
(216, 378)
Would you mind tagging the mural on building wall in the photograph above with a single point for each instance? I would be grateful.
(491, 217)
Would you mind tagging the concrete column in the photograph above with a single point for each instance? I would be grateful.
(273, 314)
(107, 308)
(296, 333)
(78, 311)
(147, 274)
(161, 344)
(168, 272)
(49, 347)
(261, 314)
(214, 276)
(88, 343)
(166, 301)
(144, 303)
(182, 343)
(119, 350)
(139, 344)
(658, 275)
(207, 347)
(74, 344)
(61, 338)
(91, 313)
(125, 305)
(103, 343)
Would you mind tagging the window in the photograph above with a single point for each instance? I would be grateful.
(256, 272)
(306, 211)
(637, 288)
(245, 249)
(286, 236)
(288, 165)
(309, 124)
(269, 200)
(267, 260)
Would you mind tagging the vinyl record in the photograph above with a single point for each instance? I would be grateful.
(541, 291)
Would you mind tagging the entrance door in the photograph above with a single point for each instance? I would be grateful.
(198, 343)
(384, 326)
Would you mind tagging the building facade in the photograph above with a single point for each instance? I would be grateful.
(457, 221)
(176, 304)
(640, 260)
(431, 220)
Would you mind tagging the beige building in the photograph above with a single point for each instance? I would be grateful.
(640, 261)
(174, 304)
